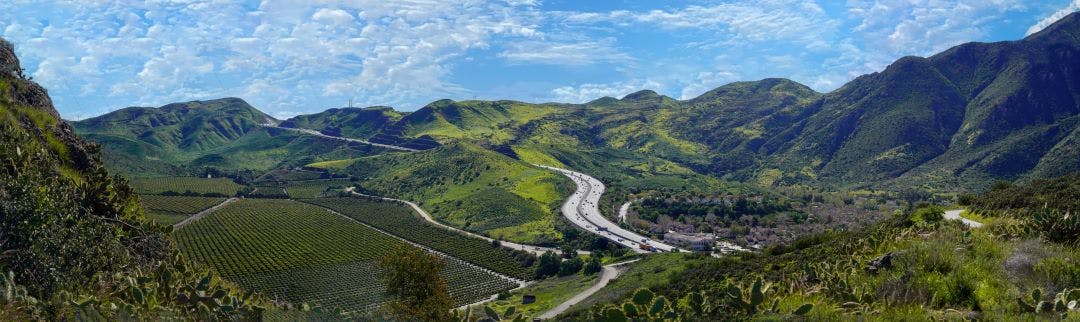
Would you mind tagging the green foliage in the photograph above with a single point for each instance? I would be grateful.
(592, 265)
(401, 221)
(169, 210)
(413, 282)
(209, 187)
(298, 252)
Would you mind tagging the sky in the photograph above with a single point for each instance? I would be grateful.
(304, 56)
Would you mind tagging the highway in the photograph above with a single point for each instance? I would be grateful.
(582, 209)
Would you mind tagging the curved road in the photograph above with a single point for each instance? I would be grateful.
(319, 134)
(538, 250)
(582, 209)
(610, 272)
(955, 215)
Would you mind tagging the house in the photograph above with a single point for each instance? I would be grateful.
(696, 243)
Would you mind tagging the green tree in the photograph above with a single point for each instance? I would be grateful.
(570, 266)
(593, 265)
(412, 278)
(548, 265)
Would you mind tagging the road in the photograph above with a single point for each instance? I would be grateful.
(319, 134)
(623, 210)
(203, 213)
(582, 209)
(538, 250)
(955, 215)
(609, 273)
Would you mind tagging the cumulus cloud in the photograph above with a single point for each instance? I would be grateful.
(591, 91)
(1057, 15)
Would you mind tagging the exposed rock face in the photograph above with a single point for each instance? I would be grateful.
(9, 63)
(25, 92)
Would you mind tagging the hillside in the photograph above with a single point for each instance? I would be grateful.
(471, 188)
(361, 123)
(183, 138)
(75, 241)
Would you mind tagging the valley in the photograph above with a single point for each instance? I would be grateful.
(938, 188)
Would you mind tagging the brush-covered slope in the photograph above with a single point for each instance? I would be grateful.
(350, 122)
(74, 239)
(472, 188)
(224, 133)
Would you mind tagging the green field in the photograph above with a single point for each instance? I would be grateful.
(549, 293)
(268, 191)
(401, 221)
(303, 253)
(314, 188)
(181, 185)
(168, 210)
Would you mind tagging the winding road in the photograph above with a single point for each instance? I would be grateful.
(955, 215)
(538, 250)
(582, 209)
(610, 272)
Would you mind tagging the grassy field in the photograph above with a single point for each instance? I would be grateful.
(401, 221)
(549, 293)
(303, 253)
(168, 210)
(470, 188)
(180, 185)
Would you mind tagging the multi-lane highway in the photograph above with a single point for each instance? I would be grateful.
(582, 209)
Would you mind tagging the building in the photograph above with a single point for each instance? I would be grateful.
(695, 243)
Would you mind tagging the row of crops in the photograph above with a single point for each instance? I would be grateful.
(223, 187)
(401, 221)
(168, 210)
(315, 188)
(303, 253)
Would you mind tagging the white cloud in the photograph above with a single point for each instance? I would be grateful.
(569, 54)
(800, 20)
(588, 92)
(1057, 15)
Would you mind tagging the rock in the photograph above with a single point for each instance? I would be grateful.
(880, 263)
(9, 63)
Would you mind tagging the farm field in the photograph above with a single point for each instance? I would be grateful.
(168, 210)
(314, 188)
(223, 187)
(401, 221)
(304, 253)
(268, 191)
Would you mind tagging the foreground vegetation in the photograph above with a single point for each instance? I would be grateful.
(295, 252)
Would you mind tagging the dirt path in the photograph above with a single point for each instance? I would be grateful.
(538, 250)
(609, 273)
(203, 213)
(955, 215)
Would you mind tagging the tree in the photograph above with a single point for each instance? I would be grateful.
(593, 265)
(412, 278)
(570, 266)
(548, 265)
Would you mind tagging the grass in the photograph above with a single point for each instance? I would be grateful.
(549, 293)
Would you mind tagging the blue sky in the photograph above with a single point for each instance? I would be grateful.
(297, 57)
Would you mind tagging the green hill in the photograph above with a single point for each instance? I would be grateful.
(75, 242)
(472, 188)
(350, 122)
(182, 138)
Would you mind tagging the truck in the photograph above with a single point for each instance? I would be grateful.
(647, 247)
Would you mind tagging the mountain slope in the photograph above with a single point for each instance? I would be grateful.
(73, 239)
(361, 123)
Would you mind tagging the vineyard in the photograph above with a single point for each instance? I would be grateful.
(223, 187)
(399, 220)
(168, 210)
(303, 253)
(268, 191)
(315, 188)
